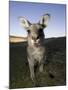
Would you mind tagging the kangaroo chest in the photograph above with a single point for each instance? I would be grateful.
(37, 53)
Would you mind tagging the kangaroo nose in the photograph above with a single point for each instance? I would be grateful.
(35, 38)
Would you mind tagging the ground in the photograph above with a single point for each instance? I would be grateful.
(54, 68)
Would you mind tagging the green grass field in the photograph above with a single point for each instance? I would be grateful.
(54, 68)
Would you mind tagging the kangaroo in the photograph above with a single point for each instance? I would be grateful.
(36, 52)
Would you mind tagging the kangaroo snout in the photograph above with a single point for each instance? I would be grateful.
(35, 38)
(36, 41)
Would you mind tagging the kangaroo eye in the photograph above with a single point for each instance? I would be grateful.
(28, 31)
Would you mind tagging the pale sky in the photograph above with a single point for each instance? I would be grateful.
(33, 12)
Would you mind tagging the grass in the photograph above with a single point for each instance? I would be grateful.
(54, 69)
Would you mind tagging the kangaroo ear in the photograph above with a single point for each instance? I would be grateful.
(44, 20)
(24, 22)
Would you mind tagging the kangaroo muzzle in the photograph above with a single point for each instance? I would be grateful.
(36, 41)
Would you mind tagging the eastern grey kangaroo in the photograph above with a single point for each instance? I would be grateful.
(36, 52)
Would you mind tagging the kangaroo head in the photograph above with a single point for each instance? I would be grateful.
(35, 31)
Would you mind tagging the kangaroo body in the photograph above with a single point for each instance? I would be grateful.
(36, 48)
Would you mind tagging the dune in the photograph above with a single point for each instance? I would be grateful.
(54, 67)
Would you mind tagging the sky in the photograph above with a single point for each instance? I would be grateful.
(33, 11)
